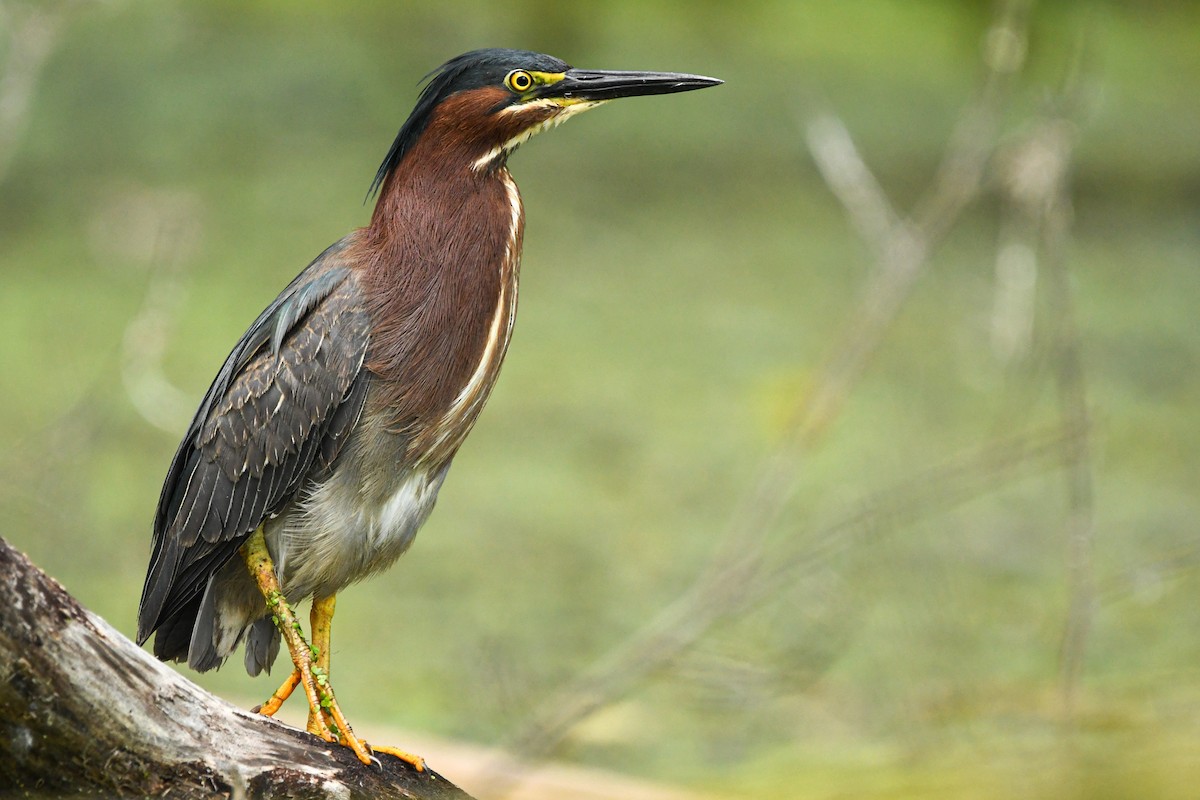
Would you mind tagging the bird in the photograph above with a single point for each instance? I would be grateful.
(319, 448)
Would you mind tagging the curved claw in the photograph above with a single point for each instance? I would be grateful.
(359, 747)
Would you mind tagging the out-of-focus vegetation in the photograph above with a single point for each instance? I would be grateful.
(686, 271)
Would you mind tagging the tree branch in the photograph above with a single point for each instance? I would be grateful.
(84, 710)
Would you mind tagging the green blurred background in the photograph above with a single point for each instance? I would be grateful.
(686, 272)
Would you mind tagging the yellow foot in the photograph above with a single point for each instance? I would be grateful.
(269, 708)
(325, 717)
(416, 762)
(318, 723)
(332, 720)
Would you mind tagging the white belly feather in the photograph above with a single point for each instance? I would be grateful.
(337, 536)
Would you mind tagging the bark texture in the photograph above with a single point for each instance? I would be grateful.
(84, 711)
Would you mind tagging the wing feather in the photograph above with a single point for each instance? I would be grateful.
(274, 418)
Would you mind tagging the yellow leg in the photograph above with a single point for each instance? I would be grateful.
(316, 685)
(321, 625)
(320, 621)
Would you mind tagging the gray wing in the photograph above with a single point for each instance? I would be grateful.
(274, 419)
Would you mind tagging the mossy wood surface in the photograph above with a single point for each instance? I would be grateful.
(85, 711)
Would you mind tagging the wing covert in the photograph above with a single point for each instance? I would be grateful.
(274, 418)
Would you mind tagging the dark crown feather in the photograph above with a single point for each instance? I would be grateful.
(467, 71)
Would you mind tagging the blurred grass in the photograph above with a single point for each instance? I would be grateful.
(685, 271)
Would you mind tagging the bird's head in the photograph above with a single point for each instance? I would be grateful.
(481, 105)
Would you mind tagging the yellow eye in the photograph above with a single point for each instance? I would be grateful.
(519, 80)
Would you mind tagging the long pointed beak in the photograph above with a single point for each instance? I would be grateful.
(596, 85)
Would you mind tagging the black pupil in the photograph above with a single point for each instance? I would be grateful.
(521, 80)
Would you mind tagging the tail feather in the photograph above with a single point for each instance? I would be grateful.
(262, 646)
(173, 637)
(202, 650)
(211, 624)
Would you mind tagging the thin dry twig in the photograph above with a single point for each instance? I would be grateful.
(32, 35)
(941, 488)
(851, 180)
(1073, 408)
(171, 225)
(683, 623)
(903, 247)
(1038, 193)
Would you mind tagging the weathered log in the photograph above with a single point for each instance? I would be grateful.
(85, 711)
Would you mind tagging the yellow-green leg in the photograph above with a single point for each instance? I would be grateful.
(321, 624)
(320, 621)
(317, 689)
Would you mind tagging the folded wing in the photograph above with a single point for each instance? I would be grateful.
(273, 421)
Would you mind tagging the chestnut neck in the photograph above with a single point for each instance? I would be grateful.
(439, 263)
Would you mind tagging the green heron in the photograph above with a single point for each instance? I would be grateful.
(319, 449)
